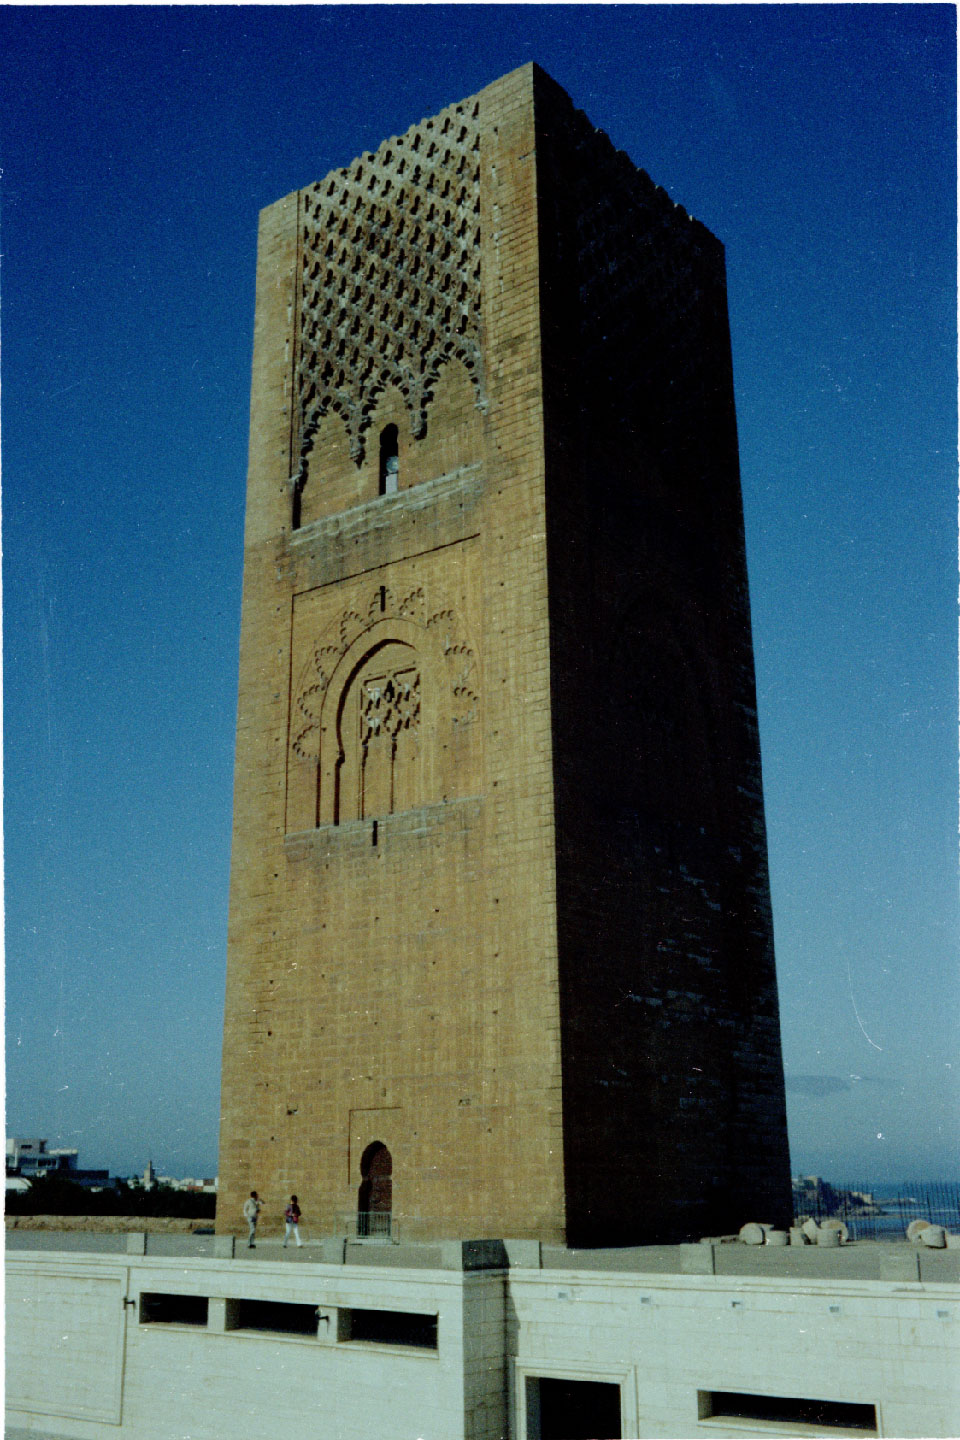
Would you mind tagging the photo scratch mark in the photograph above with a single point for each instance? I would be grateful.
(857, 1012)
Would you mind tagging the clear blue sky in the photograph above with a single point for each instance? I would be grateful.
(137, 146)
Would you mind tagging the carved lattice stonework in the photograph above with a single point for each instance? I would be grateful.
(391, 276)
(401, 708)
(390, 703)
(388, 741)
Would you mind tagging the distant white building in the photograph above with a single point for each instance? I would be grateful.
(33, 1157)
(173, 1182)
(28, 1159)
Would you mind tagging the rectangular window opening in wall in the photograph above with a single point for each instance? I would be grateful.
(388, 1327)
(161, 1309)
(559, 1409)
(278, 1316)
(776, 1411)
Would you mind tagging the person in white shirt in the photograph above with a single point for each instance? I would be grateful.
(251, 1213)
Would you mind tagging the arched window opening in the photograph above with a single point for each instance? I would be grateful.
(378, 770)
(389, 460)
(375, 1196)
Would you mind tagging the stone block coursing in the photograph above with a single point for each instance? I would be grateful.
(499, 898)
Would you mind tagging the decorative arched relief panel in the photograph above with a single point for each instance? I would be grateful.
(331, 453)
(376, 709)
(454, 431)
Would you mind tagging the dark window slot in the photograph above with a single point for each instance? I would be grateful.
(275, 1315)
(785, 1410)
(159, 1309)
(389, 1327)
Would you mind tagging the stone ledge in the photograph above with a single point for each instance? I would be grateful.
(355, 834)
(426, 517)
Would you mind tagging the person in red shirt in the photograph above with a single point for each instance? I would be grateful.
(292, 1217)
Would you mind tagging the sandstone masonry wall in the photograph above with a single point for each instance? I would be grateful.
(392, 973)
(674, 1115)
(499, 899)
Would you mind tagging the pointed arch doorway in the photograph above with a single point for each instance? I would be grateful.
(375, 1195)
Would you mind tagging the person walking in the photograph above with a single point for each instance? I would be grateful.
(292, 1218)
(251, 1213)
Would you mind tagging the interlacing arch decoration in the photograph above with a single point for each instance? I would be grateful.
(390, 277)
(360, 700)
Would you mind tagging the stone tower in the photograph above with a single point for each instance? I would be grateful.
(500, 954)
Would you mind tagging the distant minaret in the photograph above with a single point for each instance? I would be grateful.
(501, 952)
(149, 1179)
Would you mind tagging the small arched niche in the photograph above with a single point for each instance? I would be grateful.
(386, 438)
(375, 1195)
(389, 462)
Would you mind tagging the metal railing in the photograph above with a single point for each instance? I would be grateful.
(377, 1226)
(881, 1212)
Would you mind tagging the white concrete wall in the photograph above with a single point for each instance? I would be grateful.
(82, 1365)
(64, 1340)
(666, 1337)
(64, 1332)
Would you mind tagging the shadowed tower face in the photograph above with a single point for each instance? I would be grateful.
(500, 955)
